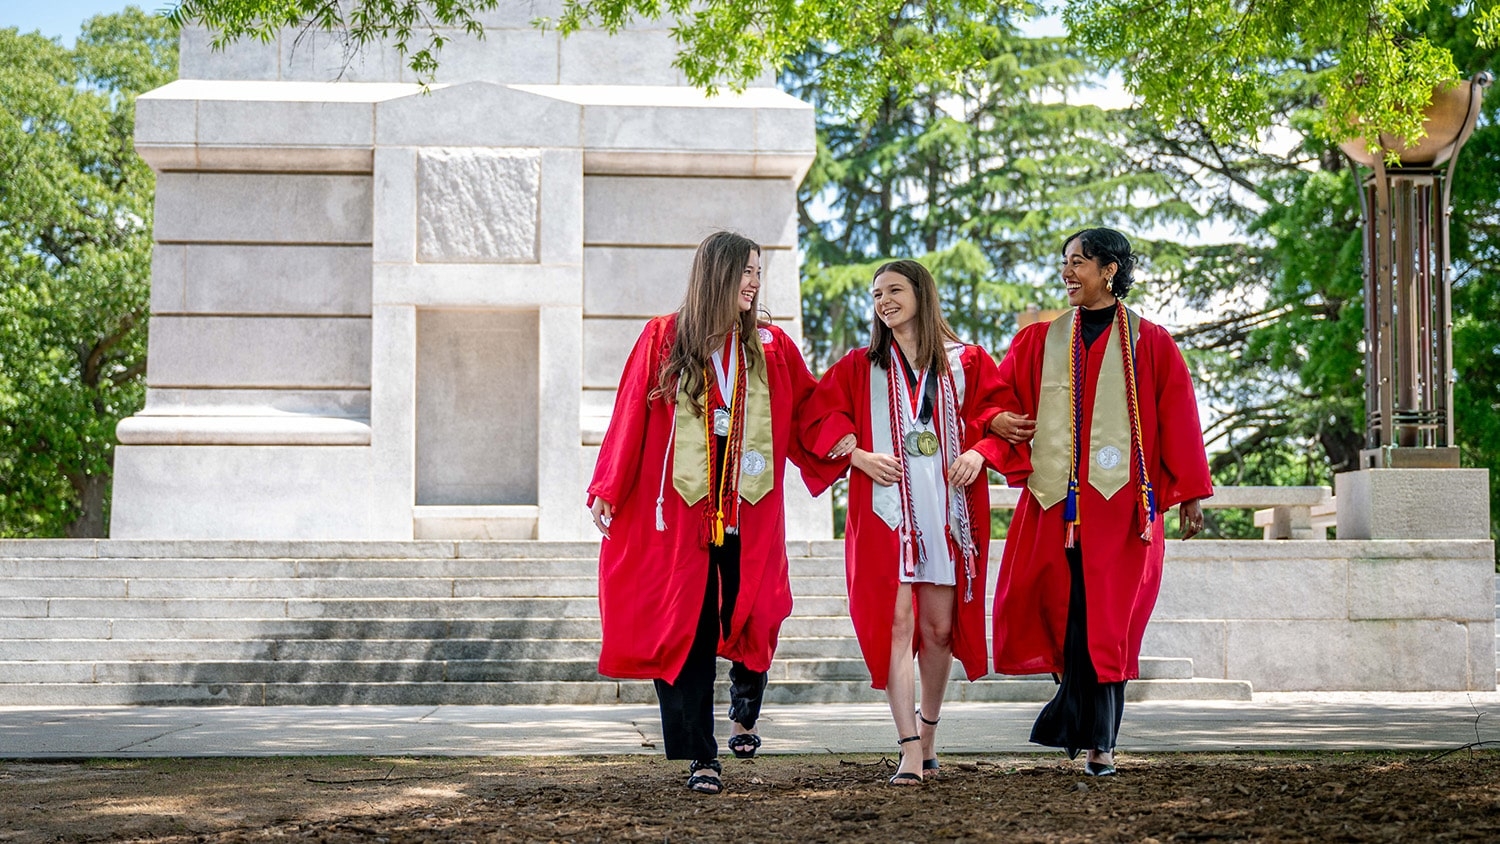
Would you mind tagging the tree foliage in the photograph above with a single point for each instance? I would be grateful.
(1220, 60)
(871, 52)
(415, 28)
(982, 181)
(1214, 61)
(75, 248)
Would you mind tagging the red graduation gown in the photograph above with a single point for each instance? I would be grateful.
(651, 582)
(872, 557)
(1122, 574)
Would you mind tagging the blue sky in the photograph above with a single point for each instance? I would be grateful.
(62, 19)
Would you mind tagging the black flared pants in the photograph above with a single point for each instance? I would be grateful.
(1085, 714)
(687, 706)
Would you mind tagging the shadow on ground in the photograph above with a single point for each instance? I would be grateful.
(842, 798)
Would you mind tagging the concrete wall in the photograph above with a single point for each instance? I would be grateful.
(1364, 615)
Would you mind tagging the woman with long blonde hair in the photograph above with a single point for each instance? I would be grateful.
(688, 494)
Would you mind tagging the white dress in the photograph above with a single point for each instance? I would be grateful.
(929, 494)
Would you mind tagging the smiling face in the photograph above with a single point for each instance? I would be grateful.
(749, 282)
(895, 301)
(1087, 283)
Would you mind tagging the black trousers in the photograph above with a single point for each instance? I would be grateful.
(1085, 714)
(687, 706)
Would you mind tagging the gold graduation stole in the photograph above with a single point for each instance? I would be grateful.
(1054, 449)
(690, 473)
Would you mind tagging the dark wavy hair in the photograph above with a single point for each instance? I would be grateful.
(1107, 246)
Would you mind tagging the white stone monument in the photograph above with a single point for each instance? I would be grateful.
(380, 312)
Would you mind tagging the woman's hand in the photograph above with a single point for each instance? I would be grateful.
(1013, 427)
(883, 469)
(604, 513)
(843, 448)
(965, 469)
(1190, 518)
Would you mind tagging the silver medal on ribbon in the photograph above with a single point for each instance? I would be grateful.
(721, 422)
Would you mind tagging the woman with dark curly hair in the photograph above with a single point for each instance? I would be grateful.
(1104, 437)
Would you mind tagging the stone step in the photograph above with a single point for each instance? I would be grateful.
(185, 567)
(346, 628)
(229, 650)
(220, 549)
(501, 665)
(402, 623)
(546, 692)
(390, 588)
(536, 607)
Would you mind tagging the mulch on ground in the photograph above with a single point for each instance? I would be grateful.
(1351, 797)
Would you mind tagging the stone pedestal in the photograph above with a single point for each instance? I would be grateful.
(1413, 504)
(384, 312)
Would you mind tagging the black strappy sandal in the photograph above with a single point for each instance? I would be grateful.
(928, 764)
(744, 745)
(905, 778)
(703, 783)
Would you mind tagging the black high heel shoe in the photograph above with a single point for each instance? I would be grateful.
(929, 764)
(905, 778)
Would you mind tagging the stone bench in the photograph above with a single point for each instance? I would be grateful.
(1282, 512)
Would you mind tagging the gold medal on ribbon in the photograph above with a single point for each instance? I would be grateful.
(927, 443)
(920, 443)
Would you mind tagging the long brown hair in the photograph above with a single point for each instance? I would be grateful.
(710, 311)
(932, 329)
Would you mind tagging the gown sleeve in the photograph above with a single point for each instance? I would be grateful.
(827, 418)
(982, 388)
(618, 466)
(1183, 458)
(1017, 388)
(814, 465)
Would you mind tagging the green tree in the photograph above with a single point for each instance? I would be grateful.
(1210, 60)
(75, 251)
(1220, 61)
(1283, 366)
(981, 181)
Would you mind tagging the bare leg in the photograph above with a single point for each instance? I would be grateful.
(935, 656)
(900, 682)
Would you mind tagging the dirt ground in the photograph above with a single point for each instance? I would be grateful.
(1161, 797)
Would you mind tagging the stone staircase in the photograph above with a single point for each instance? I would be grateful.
(86, 622)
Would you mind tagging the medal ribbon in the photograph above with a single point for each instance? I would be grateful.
(726, 368)
(923, 389)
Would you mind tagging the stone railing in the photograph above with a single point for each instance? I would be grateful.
(1282, 512)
